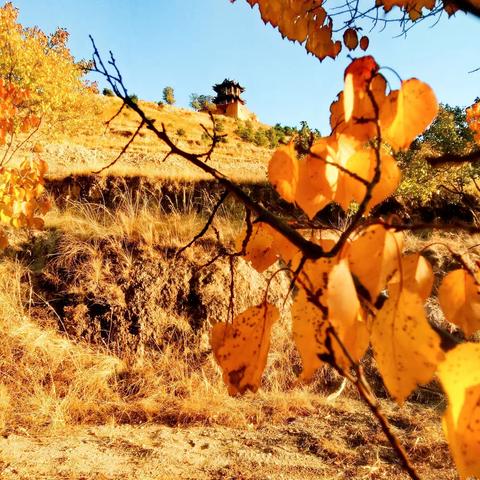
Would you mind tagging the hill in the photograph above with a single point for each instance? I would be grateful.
(86, 151)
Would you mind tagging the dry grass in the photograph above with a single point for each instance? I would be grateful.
(151, 224)
(88, 151)
(50, 380)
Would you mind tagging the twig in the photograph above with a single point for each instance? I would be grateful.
(124, 149)
(310, 249)
(453, 158)
(202, 232)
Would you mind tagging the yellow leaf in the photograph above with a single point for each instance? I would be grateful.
(259, 249)
(459, 297)
(345, 315)
(348, 97)
(406, 348)
(283, 172)
(241, 348)
(313, 191)
(416, 107)
(374, 255)
(416, 275)
(310, 331)
(363, 164)
(362, 122)
(264, 246)
(460, 377)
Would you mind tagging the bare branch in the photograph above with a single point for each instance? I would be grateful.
(454, 158)
(202, 232)
(124, 149)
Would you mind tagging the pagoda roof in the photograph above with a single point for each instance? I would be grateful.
(227, 83)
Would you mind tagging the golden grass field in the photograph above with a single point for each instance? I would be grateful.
(83, 398)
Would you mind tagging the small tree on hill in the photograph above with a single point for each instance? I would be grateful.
(201, 102)
(168, 95)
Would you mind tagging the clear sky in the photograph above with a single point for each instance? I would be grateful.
(193, 44)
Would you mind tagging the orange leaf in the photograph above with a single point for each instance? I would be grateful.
(374, 256)
(406, 348)
(283, 172)
(364, 42)
(416, 275)
(345, 315)
(241, 348)
(259, 249)
(460, 377)
(350, 38)
(416, 107)
(459, 297)
(310, 331)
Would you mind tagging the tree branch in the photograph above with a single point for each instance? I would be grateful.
(472, 157)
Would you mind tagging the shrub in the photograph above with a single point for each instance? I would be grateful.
(107, 92)
(168, 95)
(201, 102)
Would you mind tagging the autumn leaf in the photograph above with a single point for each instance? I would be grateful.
(310, 332)
(350, 38)
(313, 191)
(375, 268)
(362, 164)
(259, 251)
(345, 316)
(265, 246)
(283, 172)
(460, 377)
(326, 302)
(364, 42)
(473, 120)
(406, 348)
(412, 7)
(241, 348)
(415, 108)
(361, 123)
(459, 297)
(415, 274)
(3, 240)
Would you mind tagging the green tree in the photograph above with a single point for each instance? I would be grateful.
(201, 102)
(168, 95)
(449, 132)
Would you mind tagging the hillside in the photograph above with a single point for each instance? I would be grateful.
(89, 151)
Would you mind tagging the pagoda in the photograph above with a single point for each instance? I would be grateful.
(229, 101)
(228, 91)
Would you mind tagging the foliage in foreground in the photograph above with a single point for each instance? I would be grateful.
(355, 288)
(348, 299)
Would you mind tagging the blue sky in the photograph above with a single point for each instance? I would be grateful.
(192, 44)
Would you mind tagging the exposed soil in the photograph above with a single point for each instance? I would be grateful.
(147, 299)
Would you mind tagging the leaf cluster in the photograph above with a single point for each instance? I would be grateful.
(361, 290)
(22, 188)
(324, 28)
(42, 64)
